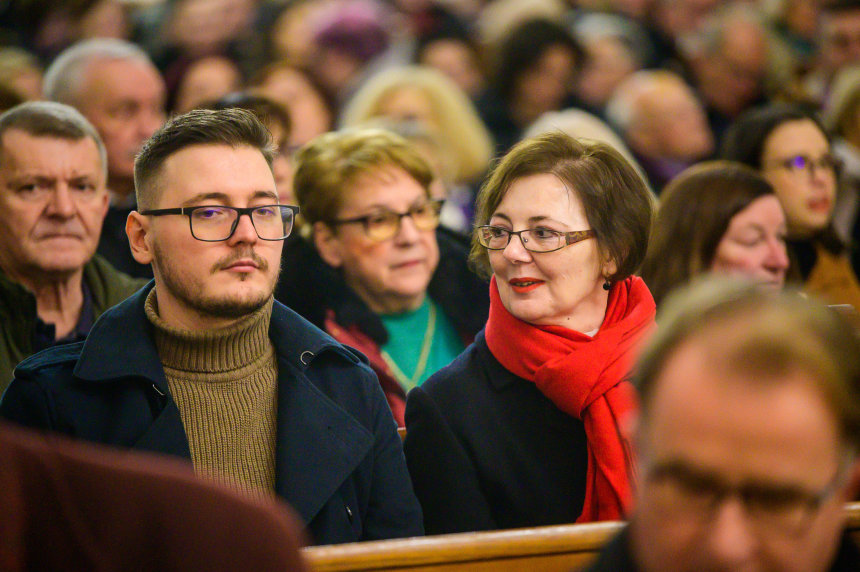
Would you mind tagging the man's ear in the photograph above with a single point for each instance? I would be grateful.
(139, 237)
(105, 204)
(327, 244)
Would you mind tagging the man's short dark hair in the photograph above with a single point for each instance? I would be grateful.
(234, 127)
(774, 334)
(51, 119)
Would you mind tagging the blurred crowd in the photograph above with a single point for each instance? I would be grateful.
(436, 159)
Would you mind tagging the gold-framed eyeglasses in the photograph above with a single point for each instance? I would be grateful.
(827, 163)
(385, 224)
(217, 223)
(533, 239)
(770, 508)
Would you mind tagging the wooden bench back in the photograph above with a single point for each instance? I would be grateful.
(542, 549)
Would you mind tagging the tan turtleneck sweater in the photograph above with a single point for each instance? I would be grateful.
(225, 383)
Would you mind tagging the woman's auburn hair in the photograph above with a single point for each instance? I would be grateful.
(617, 203)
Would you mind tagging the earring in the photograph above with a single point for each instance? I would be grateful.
(606, 284)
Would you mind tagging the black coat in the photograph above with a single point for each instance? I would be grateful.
(487, 450)
(338, 458)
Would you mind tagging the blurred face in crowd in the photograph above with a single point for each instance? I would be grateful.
(732, 76)
(670, 123)
(207, 79)
(559, 288)
(796, 160)
(739, 471)
(390, 273)
(105, 19)
(457, 61)
(408, 104)
(609, 62)
(754, 243)
(308, 112)
(207, 284)
(545, 87)
(840, 40)
(124, 100)
(53, 201)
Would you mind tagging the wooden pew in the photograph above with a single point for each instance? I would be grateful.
(853, 510)
(542, 549)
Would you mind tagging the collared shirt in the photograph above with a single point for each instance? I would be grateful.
(44, 335)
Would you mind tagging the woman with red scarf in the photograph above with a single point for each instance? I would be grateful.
(527, 426)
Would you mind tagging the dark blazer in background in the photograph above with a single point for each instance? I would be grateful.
(338, 458)
(487, 450)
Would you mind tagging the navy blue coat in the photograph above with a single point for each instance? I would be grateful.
(338, 462)
(486, 449)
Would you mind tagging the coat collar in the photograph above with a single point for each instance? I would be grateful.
(319, 444)
(498, 376)
(292, 336)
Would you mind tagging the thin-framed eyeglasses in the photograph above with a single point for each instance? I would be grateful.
(385, 224)
(827, 163)
(770, 508)
(217, 223)
(533, 239)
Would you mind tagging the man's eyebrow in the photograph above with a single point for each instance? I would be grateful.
(200, 197)
(226, 199)
(265, 195)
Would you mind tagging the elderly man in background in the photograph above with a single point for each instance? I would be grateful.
(116, 87)
(747, 439)
(52, 203)
(662, 122)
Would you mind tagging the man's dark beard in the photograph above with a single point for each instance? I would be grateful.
(218, 308)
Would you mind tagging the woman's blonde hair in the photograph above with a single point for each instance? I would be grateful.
(328, 166)
(458, 125)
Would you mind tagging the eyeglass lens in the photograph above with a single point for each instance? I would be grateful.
(272, 222)
(386, 224)
(535, 239)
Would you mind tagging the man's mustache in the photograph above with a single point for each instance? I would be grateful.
(234, 257)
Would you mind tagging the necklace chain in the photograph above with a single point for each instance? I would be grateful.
(410, 382)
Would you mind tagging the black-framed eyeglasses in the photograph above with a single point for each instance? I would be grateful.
(771, 508)
(216, 223)
(805, 164)
(533, 239)
(385, 224)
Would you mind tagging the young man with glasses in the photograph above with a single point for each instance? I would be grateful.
(747, 437)
(204, 365)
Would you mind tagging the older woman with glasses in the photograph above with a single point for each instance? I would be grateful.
(525, 428)
(790, 148)
(374, 270)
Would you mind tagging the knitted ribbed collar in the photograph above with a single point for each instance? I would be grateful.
(211, 351)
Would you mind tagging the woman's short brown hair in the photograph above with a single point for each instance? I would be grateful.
(695, 211)
(616, 201)
(328, 165)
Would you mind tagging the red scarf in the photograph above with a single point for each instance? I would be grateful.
(587, 378)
